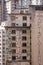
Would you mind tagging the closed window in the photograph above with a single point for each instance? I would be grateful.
(3, 55)
(13, 44)
(0, 55)
(0, 44)
(23, 31)
(3, 31)
(0, 36)
(24, 24)
(24, 57)
(3, 51)
(24, 17)
(24, 51)
(3, 39)
(12, 18)
(3, 43)
(24, 44)
(0, 63)
(13, 24)
(3, 63)
(13, 38)
(13, 31)
(13, 57)
(13, 51)
(0, 47)
(24, 38)
(3, 35)
(3, 47)
(3, 59)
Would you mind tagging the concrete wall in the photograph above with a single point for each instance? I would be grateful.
(37, 38)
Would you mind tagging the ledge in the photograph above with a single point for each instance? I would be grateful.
(18, 61)
(17, 27)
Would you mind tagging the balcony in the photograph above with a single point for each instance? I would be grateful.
(21, 11)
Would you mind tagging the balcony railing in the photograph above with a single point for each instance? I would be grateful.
(20, 11)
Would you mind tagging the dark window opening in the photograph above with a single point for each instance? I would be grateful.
(24, 38)
(39, 8)
(24, 44)
(14, 51)
(13, 24)
(14, 38)
(13, 57)
(13, 31)
(13, 44)
(24, 17)
(24, 24)
(24, 58)
(23, 31)
(24, 51)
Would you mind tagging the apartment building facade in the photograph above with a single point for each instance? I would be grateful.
(37, 35)
(2, 45)
(18, 34)
(2, 10)
(24, 48)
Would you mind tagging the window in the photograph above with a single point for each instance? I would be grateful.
(0, 2)
(13, 44)
(0, 63)
(13, 24)
(13, 31)
(3, 55)
(0, 59)
(3, 63)
(3, 59)
(0, 44)
(0, 36)
(14, 38)
(30, 18)
(24, 24)
(3, 43)
(13, 57)
(0, 47)
(24, 38)
(24, 58)
(3, 51)
(14, 51)
(0, 55)
(3, 35)
(3, 39)
(12, 18)
(24, 51)
(3, 31)
(24, 44)
(23, 31)
(24, 17)
(3, 47)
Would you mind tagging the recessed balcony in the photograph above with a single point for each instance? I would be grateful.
(20, 11)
